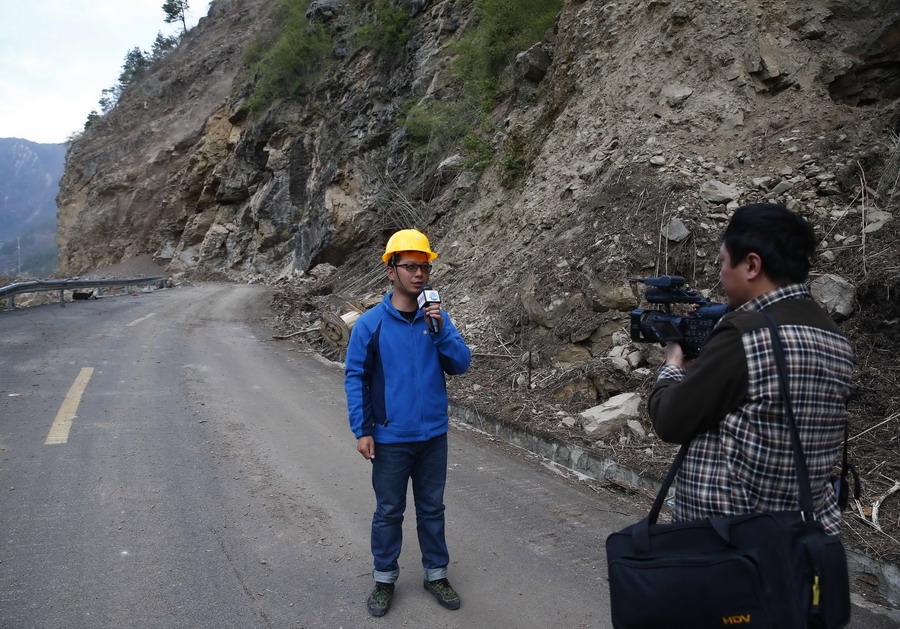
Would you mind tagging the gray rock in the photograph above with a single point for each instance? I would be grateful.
(321, 271)
(324, 10)
(674, 95)
(454, 163)
(611, 416)
(676, 230)
(763, 183)
(448, 169)
(718, 192)
(213, 240)
(876, 219)
(551, 314)
(612, 296)
(781, 188)
(634, 358)
(568, 422)
(602, 337)
(636, 428)
(533, 63)
(837, 295)
(571, 355)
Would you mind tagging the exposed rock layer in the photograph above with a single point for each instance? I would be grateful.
(179, 171)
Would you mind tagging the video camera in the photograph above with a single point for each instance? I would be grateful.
(661, 326)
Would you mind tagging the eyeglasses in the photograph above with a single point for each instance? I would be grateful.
(412, 268)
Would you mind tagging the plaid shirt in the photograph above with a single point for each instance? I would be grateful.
(729, 406)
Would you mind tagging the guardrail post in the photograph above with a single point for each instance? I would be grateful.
(62, 301)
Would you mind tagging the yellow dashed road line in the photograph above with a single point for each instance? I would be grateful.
(59, 431)
(136, 321)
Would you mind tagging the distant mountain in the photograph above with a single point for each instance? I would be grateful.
(29, 181)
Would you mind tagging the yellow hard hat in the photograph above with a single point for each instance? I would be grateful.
(407, 240)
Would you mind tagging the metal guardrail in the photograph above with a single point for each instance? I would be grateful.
(9, 292)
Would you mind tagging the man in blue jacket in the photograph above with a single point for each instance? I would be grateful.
(397, 403)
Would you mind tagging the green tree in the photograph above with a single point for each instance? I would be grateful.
(461, 115)
(294, 59)
(136, 63)
(504, 29)
(175, 12)
(91, 119)
(162, 45)
(108, 98)
(388, 32)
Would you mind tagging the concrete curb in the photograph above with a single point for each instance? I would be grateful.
(567, 455)
(886, 575)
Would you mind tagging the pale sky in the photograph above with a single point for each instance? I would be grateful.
(57, 56)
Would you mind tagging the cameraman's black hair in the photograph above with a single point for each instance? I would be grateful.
(784, 241)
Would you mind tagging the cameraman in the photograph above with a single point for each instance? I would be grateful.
(727, 403)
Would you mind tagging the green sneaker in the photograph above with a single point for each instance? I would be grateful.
(444, 593)
(380, 598)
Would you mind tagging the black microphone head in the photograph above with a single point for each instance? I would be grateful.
(427, 297)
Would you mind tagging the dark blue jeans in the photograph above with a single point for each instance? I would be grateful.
(425, 462)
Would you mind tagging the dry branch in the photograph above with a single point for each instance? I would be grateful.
(892, 417)
(281, 337)
(865, 201)
(877, 505)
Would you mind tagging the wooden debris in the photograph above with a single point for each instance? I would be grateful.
(337, 328)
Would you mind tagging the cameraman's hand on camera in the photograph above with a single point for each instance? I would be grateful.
(675, 355)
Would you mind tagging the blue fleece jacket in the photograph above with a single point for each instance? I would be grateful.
(394, 375)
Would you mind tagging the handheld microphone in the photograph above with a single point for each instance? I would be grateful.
(427, 297)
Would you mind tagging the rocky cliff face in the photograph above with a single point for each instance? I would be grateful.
(622, 142)
(144, 178)
(680, 88)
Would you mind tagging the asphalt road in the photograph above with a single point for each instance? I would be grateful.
(165, 463)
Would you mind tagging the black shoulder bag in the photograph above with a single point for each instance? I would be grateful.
(769, 569)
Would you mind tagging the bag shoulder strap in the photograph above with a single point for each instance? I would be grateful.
(806, 503)
(667, 482)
